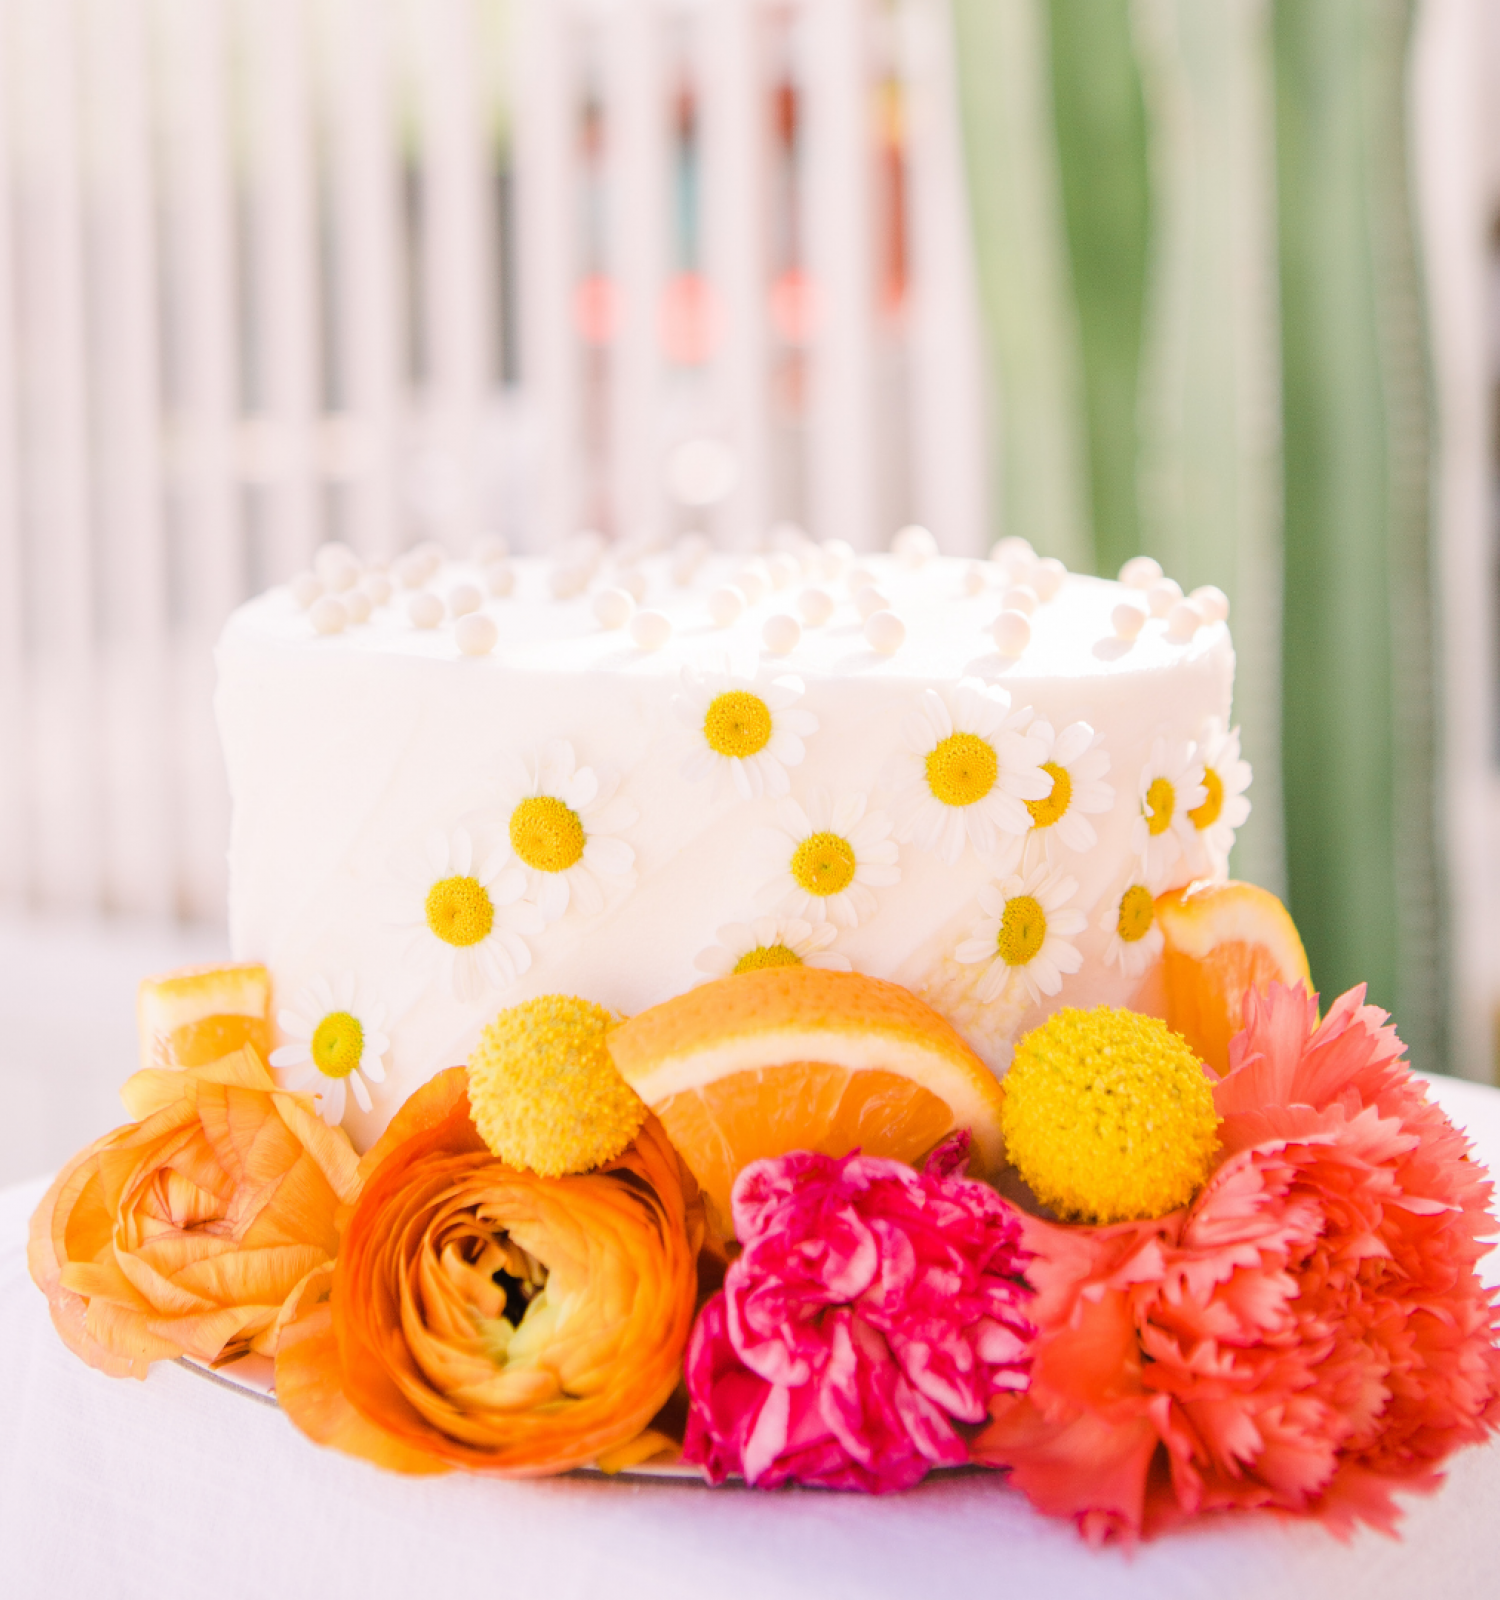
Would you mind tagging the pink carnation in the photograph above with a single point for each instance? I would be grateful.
(1308, 1335)
(873, 1308)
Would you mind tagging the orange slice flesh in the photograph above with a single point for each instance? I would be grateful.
(1223, 940)
(796, 1058)
(199, 1014)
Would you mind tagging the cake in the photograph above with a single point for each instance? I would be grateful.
(1006, 727)
(786, 1022)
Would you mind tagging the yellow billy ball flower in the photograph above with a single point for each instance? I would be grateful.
(1109, 1116)
(543, 1091)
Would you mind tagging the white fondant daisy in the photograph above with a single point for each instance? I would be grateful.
(336, 1041)
(562, 822)
(1171, 785)
(968, 769)
(743, 733)
(830, 858)
(771, 942)
(1024, 935)
(469, 922)
(1226, 777)
(1135, 937)
(1075, 762)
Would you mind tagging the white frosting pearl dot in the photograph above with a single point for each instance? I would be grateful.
(1140, 572)
(753, 583)
(725, 606)
(913, 545)
(1127, 620)
(1019, 598)
(377, 586)
(781, 634)
(974, 579)
(1212, 602)
(464, 599)
(1011, 631)
(569, 579)
(885, 632)
(305, 589)
(633, 581)
(650, 630)
(476, 634)
(411, 571)
(784, 570)
(500, 579)
(614, 607)
(816, 606)
(1161, 597)
(332, 562)
(359, 606)
(860, 578)
(328, 615)
(490, 549)
(1183, 621)
(869, 600)
(836, 556)
(1047, 576)
(424, 609)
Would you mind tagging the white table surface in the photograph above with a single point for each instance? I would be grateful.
(180, 1487)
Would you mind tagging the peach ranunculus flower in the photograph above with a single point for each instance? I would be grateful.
(487, 1318)
(185, 1232)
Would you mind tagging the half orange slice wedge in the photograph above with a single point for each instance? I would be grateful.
(196, 1015)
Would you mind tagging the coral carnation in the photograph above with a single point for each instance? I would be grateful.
(873, 1308)
(1308, 1335)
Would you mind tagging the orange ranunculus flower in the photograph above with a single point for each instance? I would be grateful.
(185, 1232)
(487, 1318)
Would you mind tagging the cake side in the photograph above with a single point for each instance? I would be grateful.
(368, 766)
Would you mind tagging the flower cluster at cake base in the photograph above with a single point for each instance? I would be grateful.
(787, 1227)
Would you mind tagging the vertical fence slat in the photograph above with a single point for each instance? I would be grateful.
(547, 258)
(840, 246)
(364, 270)
(139, 797)
(455, 166)
(54, 469)
(735, 102)
(14, 818)
(946, 407)
(206, 556)
(637, 160)
(276, 440)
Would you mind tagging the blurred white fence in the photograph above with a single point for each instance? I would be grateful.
(279, 271)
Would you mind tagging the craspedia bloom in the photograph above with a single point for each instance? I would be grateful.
(1108, 1115)
(544, 1093)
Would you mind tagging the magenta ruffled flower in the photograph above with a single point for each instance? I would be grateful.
(873, 1308)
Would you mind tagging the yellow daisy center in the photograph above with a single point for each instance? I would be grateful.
(823, 864)
(544, 1091)
(337, 1044)
(962, 769)
(546, 834)
(767, 955)
(459, 911)
(1161, 802)
(1207, 814)
(1137, 913)
(737, 724)
(1108, 1115)
(1023, 930)
(1055, 806)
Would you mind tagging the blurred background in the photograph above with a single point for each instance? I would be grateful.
(1214, 280)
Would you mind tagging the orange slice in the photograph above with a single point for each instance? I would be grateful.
(1223, 940)
(196, 1015)
(796, 1058)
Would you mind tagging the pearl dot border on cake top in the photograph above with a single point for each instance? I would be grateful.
(793, 586)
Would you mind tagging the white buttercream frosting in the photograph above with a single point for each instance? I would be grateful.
(350, 751)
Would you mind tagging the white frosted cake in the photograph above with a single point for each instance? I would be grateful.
(457, 786)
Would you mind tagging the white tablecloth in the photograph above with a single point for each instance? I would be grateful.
(180, 1487)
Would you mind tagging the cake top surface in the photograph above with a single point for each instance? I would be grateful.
(879, 616)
